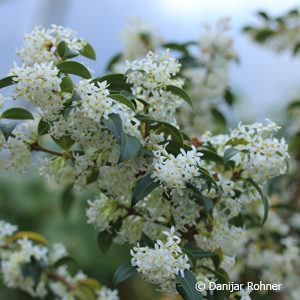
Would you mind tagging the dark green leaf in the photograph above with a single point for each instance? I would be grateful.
(43, 127)
(201, 199)
(198, 252)
(74, 67)
(146, 241)
(7, 129)
(116, 81)
(186, 286)
(229, 97)
(6, 81)
(123, 272)
(235, 141)
(210, 155)
(144, 186)
(64, 51)
(65, 142)
(67, 199)
(92, 177)
(32, 269)
(114, 124)
(88, 51)
(176, 133)
(174, 147)
(113, 61)
(181, 93)
(129, 146)
(122, 99)
(264, 15)
(229, 153)
(104, 239)
(296, 49)
(218, 116)
(263, 34)
(17, 113)
(66, 85)
(263, 198)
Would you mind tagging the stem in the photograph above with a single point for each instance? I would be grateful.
(72, 286)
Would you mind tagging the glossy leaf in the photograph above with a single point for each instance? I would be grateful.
(181, 93)
(229, 153)
(146, 241)
(186, 286)
(144, 187)
(74, 67)
(7, 129)
(116, 81)
(122, 99)
(17, 113)
(88, 51)
(6, 81)
(67, 199)
(198, 252)
(113, 61)
(66, 85)
(65, 142)
(43, 127)
(123, 272)
(104, 240)
(264, 199)
(114, 124)
(129, 146)
(33, 236)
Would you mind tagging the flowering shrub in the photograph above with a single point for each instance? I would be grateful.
(120, 131)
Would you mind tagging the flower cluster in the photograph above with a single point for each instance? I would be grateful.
(29, 264)
(161, 264)
(40, 45)
(150, 77)
(174, 172)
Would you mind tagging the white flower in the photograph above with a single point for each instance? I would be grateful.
(245, 294)
(40, 44)
(174, 172)
(107, 294)
(161, 264)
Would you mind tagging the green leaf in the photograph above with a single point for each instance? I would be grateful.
(174, 147)
(114, 124)
(186, 286)
(17, 113)
(210, 155)
(66, 85)
(262, 35)
(144, 186)
(263, 198)
(113, 61)
(264, 15)
(64, 142)
(64, 51)
(84, 292)
(116, 81)
(146, 241)
(123, 272)
(104, 240)
(32, 269)
(296, 49)
(181, 93)
(175, 132)
(229, 153)
(74, 67)
(67, 199)
(43, 127)
(229, 97)
(201, 199)
(88, 51)
(92, 177)
(235, 141)
(6, 81)
(7, 129)
(218, 116)
(198, 252)
(122, 99)
(129, 146)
